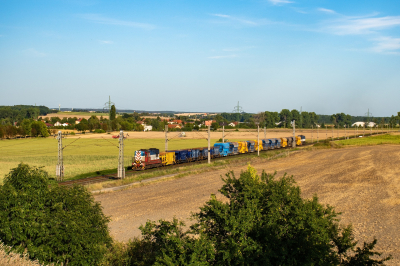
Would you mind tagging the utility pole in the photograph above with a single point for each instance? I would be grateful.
(60, 164)
(258, 139)
(312, 139)
(364, 130)
(166, 137)
(332, 131)
(345, 133)
(209, 155)
(326, 132)
(294, 134)
(318, 133)
(265, 132)
(223, 133)
(121, 168)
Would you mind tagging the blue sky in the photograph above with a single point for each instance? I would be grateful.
(323, 56)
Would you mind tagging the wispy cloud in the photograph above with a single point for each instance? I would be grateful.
(325, 10)
(387, 45)
(222, 56)
(280, 2)
(352, 26)
(106, 42)
(237, 19)
(237, 49)
(33, 53)
(97, 18)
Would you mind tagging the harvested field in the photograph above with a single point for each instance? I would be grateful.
(361, 182)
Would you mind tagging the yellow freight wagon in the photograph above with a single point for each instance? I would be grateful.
(283, 142)
(167, 158)
(258, 145)
(298, 140)
(243, 147)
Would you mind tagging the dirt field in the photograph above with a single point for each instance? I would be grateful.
(363, 183)
(232, 135)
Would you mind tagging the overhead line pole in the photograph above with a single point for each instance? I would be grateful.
(121, 168)
(166, 137)
(60, 164)
(258, 139)
(294, 134)
(209, 152)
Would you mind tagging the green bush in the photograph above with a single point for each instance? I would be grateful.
(72, 133)
(52, 223)
(264, 222)
(99, 131)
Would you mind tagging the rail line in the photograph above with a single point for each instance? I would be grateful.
(113, 176)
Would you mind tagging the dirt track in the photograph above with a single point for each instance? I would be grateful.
(363, 183)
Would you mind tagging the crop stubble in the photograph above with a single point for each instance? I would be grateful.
(362, 183)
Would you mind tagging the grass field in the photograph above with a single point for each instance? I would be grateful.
(80, 155)
(373, 140)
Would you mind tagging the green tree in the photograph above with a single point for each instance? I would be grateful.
(26, 127)
(285, 117)
(264, 222)
(39, 129)
(112, 112)
(52, 223)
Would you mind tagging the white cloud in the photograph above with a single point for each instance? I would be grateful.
(222, 56)
(387, 45)
(106, 42)
(351, 26)
(33, 52)
(280, 2)
(96, 18)
(325, 10)
(243, 21)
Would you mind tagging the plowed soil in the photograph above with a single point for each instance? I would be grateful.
(361, 182)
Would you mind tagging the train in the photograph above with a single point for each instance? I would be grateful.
(152, 158)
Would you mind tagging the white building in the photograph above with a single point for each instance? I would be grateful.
(361, 124)
(147, 128)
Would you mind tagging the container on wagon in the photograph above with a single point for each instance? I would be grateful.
(265, 144)
(235, 147)
(271, 143)
(283, 142)
(167, 158)
(243, 148)
(251, 145)
(298, 140)
(224, 149)
(258, 145)
(181, 156)
(195, 154)
(278, 143)
(289, 141)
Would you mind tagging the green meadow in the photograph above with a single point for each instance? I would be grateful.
(80, 155)
(373, 140)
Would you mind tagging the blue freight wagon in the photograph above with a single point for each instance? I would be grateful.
(235, 147)
(224, 149)
(271, 143)
(181, 156)
(277, 143)
(251, 145)
(194, 154)
(265, 143)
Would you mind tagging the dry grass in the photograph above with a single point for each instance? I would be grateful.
(15, 259)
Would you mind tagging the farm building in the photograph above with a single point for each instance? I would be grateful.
(361, 124)
(148, 128)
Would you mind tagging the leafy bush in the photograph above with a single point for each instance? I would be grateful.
(264, 222)
(99, 131)
(52, 223)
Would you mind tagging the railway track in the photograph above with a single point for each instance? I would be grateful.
(104, 178)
